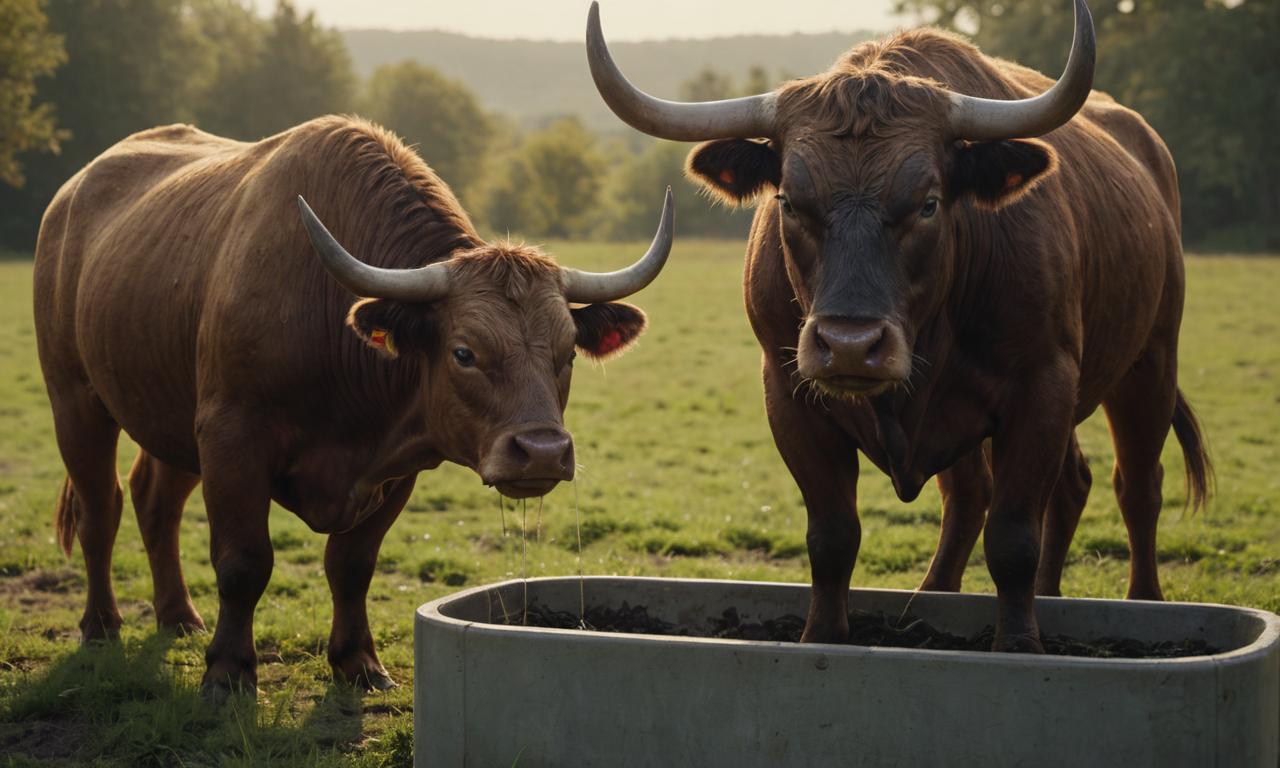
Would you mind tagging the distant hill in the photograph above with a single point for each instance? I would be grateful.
(535, 80)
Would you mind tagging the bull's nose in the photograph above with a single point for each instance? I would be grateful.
(854, 339)
(544, 449)
(528, 462)
(853, 353)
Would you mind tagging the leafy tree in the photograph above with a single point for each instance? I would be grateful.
(550, 186)
(1203, 74)
(27, 51)
(439, 115)
(707, 85)
(277, 77)
(758, 81)
(636, 197)
(235, 39)
(131, 65)
(635, 187)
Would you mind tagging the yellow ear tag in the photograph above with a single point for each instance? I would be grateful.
(380, 339)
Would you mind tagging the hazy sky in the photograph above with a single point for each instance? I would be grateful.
(622, 19)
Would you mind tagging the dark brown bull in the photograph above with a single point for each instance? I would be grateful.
(940, 280)
(178, 298)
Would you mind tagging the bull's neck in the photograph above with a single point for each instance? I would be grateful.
(384, 397)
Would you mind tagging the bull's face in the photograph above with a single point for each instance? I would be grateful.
(495, 358)
(488, 338)
(865, 226)
(869, 163)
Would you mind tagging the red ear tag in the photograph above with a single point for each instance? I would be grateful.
(1012, 180)
(609, 342)
(380, 339)
(726, 176)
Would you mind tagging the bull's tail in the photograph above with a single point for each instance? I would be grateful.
(66, 514)
(1195, 455)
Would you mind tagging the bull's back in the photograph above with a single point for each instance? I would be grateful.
(1117, 187)
(1134, 276)
(120, 280)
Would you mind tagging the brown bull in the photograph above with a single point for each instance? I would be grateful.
(941, 280)
(179, 298)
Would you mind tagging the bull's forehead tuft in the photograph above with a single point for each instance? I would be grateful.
(861, 104)
(879, 86)
(517, 271)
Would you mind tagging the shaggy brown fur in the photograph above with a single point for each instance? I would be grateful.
(179, 299)
(1017, 285)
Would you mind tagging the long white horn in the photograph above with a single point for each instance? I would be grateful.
(420, 285)
(747, 117)
(979, 119)
(594, 287)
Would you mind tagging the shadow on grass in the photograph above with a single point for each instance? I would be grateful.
(125, 704)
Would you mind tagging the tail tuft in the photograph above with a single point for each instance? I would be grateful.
(1195, 454)
(65, 515)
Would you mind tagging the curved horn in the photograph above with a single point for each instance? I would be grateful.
(980, 119)
(744, 118)
(595, 287)
(411, 286)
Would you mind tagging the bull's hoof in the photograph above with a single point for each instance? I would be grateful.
(366, 678)
(97, 630)
(377, 681)
(185, 627)
(226, 677)
(360, 669)
(1010, 642)
(218, 692)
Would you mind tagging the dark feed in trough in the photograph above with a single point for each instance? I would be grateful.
(872, 629)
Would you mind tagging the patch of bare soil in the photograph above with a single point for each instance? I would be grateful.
(865, 629)
(44, 740)
(42, 589)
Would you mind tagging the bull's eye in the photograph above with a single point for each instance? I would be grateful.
(930, 207)
(465, 357)
(784, 203)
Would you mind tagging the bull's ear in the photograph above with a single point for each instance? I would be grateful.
(735, 170)
(605, 330)
(392, 328)
(997, 173)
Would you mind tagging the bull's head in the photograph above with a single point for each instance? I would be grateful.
(870, 163)
(496, 331)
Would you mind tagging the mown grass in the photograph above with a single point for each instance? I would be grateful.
(679, 477)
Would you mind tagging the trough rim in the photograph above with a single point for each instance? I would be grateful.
(431, 612)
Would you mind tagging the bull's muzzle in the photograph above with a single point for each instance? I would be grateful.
(855, 356)
(529, 462)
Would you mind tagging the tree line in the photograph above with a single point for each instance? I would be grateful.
(78, 75)
(90, 72)
(1203, 73)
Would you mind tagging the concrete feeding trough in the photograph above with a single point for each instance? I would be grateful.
(492, 694)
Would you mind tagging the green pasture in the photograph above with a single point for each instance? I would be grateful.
(678, 477)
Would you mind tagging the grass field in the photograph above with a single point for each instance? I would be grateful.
(678, 477)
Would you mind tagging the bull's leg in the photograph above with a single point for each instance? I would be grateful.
(1061, 517)
(349, 561)
(237, 496)
(159, 491)
(1026, 459)
(824, 463)
(966, 494)
(91, 497)
(1140, 410)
